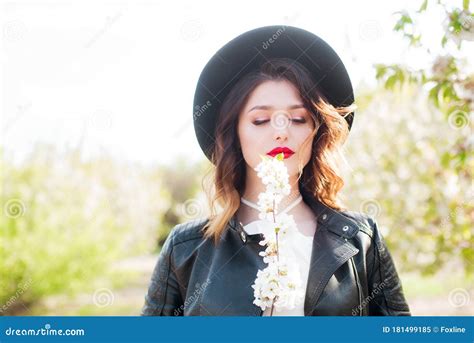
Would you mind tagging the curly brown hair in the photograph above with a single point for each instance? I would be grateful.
(319, 178)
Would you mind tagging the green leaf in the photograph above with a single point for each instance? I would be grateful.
(433, 95)
(457, 26)
(465, 5)
(404, 19)
(280, 156)
(423, 6)
(381, 70)
(401, 76)
(390, 83)
(444, 40)
(424, 79)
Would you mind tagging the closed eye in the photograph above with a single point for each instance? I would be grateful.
(295, 120)
(260, 122)
(299, 120)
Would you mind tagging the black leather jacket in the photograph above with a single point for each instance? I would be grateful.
(351, 271)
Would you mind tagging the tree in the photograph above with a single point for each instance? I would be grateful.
(422, 175)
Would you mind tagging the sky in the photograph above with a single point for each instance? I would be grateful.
(119, 77)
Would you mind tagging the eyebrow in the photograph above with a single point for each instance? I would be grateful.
(266, 107)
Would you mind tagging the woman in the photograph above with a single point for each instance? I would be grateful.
(275, 89)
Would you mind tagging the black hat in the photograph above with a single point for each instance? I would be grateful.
(247, 53)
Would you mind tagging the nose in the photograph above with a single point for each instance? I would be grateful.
(281, 135)
(280, 124)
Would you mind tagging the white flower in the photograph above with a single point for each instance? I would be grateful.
(279, 284)
(465, 31)
(274, 175)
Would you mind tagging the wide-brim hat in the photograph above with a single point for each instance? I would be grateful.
(246, 53)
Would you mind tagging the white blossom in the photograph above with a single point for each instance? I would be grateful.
(279, 284)
(466, 28)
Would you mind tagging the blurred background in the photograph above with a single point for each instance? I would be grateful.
(98, 158)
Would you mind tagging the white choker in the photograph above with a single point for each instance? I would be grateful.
(255, 206)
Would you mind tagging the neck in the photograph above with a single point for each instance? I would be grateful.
(254, 186)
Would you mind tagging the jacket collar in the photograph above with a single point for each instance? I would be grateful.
(327, 217)
(333, 220)
(331, 248)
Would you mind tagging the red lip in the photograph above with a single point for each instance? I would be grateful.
(287, 152)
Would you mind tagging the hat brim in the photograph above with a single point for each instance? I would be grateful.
(246, 53)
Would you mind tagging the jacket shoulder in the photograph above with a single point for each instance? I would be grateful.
(188, 231)
(365, 222)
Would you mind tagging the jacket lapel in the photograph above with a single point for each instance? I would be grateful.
(329, 253)
(331, 249)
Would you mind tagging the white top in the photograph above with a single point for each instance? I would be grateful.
(301, 247)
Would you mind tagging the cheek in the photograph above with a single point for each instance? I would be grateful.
(305, 147)
(249, 145)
